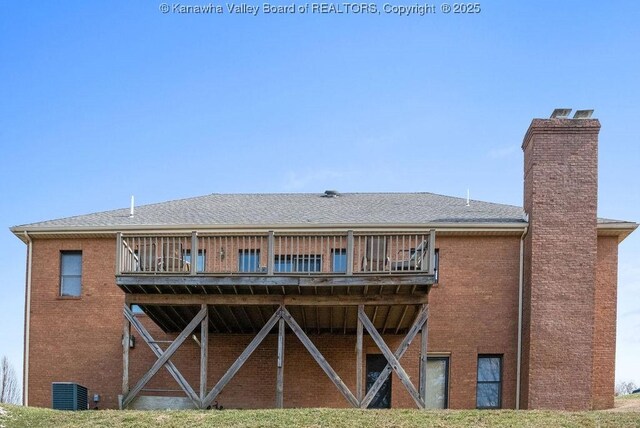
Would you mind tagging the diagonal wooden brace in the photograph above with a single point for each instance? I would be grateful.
(171, 368)
(392, 359)
(315, 353)
(241, 359)
(164, 357)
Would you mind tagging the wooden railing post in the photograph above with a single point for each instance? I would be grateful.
(432, 251)
(350, 252)
(194, 253)
(118, 253)
(270, 251)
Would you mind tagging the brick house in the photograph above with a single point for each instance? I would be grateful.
(337, 300)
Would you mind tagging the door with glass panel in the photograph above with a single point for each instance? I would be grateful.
(437, 382)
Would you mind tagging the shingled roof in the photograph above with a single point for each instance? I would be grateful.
(296, 209)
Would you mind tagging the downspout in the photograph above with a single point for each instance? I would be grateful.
(27, 323)
(520, 296)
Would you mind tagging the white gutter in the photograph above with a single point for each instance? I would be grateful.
(27, 322)
(520, 297)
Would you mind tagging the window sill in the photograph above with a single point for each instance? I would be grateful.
(69, 298)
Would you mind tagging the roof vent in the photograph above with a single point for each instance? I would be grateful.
(561, 113)
(331, 194)
(583, 114)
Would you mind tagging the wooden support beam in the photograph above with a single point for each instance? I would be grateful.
(204, 353)
(272, 299)
(153, 344)
(280, 366)
(231, 372)
(162, 360)
(317, 355)
(359, 373)
(319, 280)
(386, 372)
(423, 358)
(126, 338)
(391, 358)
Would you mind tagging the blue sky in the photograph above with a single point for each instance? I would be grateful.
(102, 100)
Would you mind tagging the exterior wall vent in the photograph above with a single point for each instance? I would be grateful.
(68, 396)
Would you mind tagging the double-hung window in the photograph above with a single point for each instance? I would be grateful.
(489, 389)
(200, 263)
(70, 273)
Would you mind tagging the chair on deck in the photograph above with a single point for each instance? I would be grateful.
(418, 256)
(171, 259)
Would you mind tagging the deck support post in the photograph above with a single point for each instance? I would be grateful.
(359, 388)
(424, 334)
(126, 339)
(280, 367)
(204, 353)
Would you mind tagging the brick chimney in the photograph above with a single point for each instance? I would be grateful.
(560, 197)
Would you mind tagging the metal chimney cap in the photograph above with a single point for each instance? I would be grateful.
(561, 113)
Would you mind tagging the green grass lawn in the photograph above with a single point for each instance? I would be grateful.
(16, 416)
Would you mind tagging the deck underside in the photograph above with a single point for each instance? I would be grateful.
(326, 304)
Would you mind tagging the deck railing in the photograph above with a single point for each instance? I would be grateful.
(275, 253)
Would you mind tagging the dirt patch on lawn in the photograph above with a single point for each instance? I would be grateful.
(626, 405)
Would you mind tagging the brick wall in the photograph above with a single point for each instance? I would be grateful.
(472, 311)
(560, 195)
(604, 332)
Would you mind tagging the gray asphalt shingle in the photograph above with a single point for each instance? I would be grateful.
(298, 209)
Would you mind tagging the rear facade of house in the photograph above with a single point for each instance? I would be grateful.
(336, 300)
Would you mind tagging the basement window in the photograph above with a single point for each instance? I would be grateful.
(70, 273)
(489, 388)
